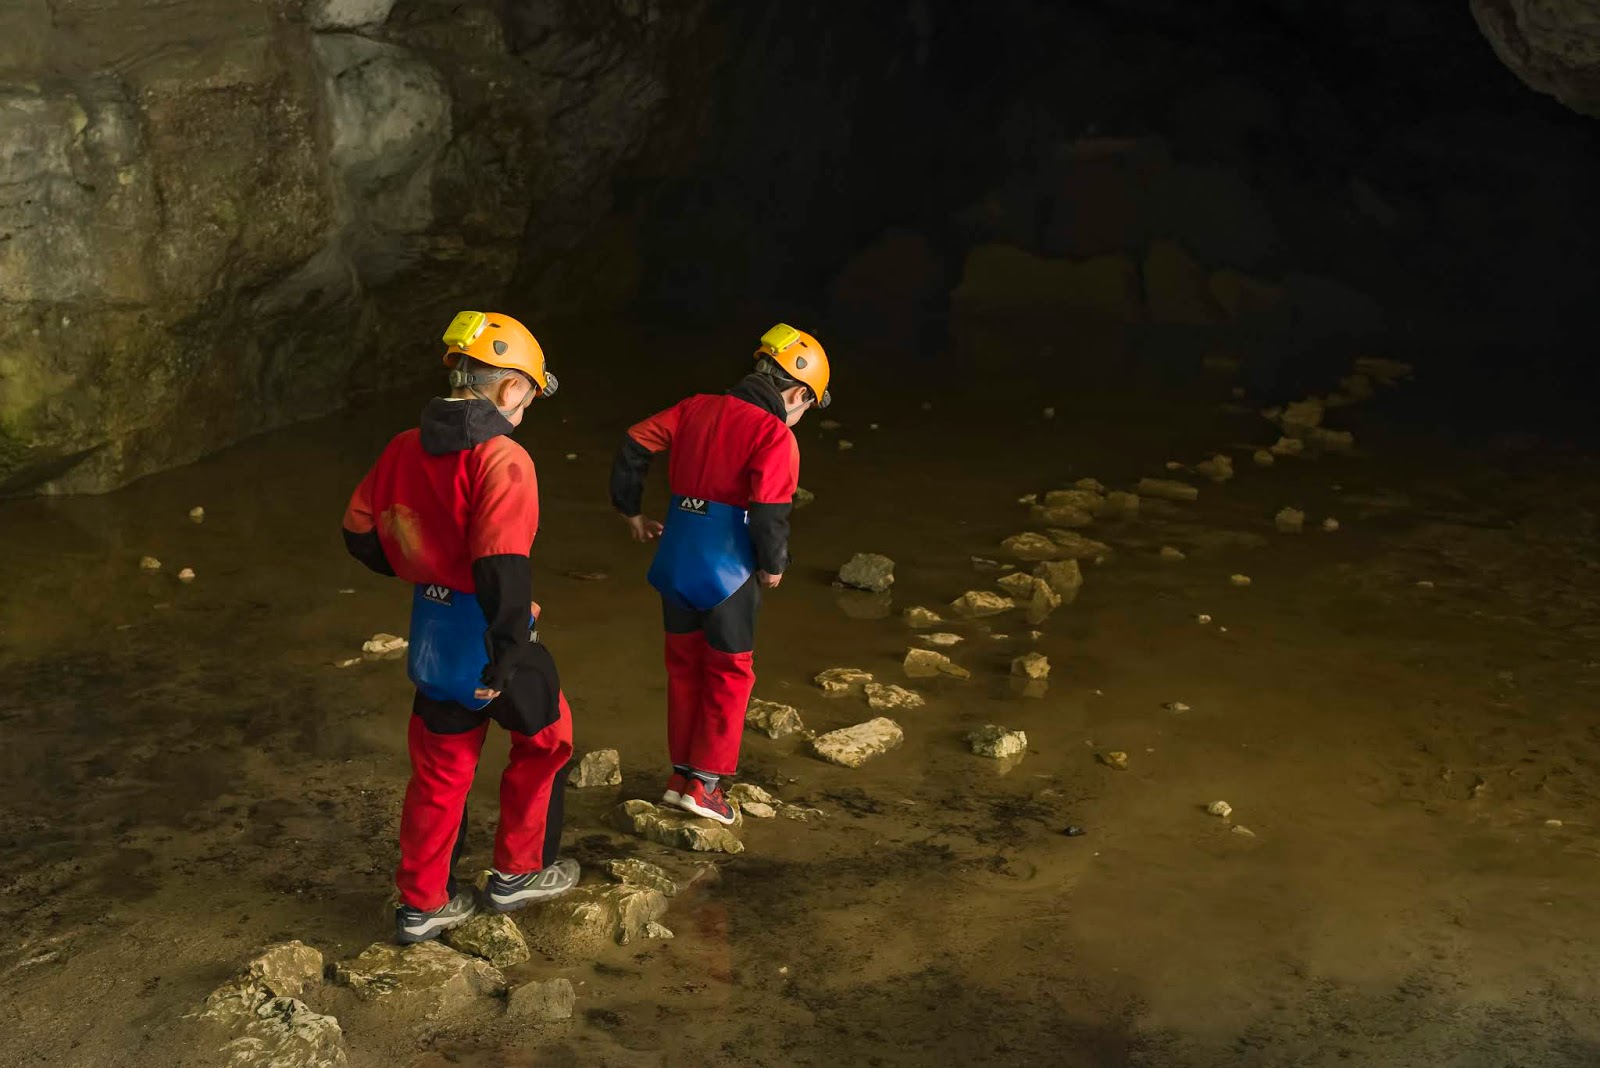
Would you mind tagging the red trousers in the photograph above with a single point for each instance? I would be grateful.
(442, 769)
(710, 674)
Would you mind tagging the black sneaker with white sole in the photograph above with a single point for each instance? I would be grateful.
(413, 925)
(506, 893)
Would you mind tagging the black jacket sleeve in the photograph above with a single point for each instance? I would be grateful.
(505, 590)
(369, 550)
(769, 530)
(628, 473)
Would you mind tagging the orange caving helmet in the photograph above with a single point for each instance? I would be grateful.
(499, 341)
(798, 353)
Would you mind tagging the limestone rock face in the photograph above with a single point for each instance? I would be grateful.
(1553, 45)
(428, 975)
(852, 747)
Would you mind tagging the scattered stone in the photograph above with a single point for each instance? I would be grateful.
(850, 747)
(587, 576)
(674, 827)
(1028, 498)
(426, 973)
(661, 931)
(270, 1031)
(285, 969)
(1065, 577)
(1114, 759)
(351, 662)
(1288, 447)
(1121, 504)
(494, 936)
(842, 682)
(1220, 809)
(149, 563)
(868, 571)
(1174, 465)
(384, 645)
(1552, 823)
(1264, 458)
(846, 446)
(1330, 525)
(601, 767)
(883, 698)
(1082, 499)
(197, 514)
(983, 563)
(572, 456)
(582, 923)
(1218, 469)
(1175, 706)
(1167, 489)
(772, 719)
(1090, 485)
(1289, 521)
(803, 497)
(976, 604)
(543, 1001)
(997, 742)
(1203, 619)
(1031, 666)
(1242, 831)
(1040, 602)
(926, 664)
(1170, 553)
(759, 810)
(942, 639)
(922, 617)
(830, 424)
(1049, 413)
(1331, 440)
(1239, 580)
(1074, 831)
(1017, 584)
(1424, 584)
(186, 575)
(635, 872)
(1301, 417)
(1074, 546)
(1031, 546)
(1385, 372)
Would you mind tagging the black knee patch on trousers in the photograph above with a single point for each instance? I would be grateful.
(730, 627)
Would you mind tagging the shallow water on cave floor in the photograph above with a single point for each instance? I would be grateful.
(187, 776)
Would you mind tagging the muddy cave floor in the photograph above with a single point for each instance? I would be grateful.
(188, 777)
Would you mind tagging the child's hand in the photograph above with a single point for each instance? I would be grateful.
(484, 694)
(534, 609)
(767, 580)
(644, 529)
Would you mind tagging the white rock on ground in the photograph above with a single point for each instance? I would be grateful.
(1031, 546)
(1167, 489)
(1084, 500)
(1040, 601)
(384, 645)
(868, 571)
(1071, 545)
(1220, 809)
(1093, 485)
(1239, 580)
(1061, 515)
(1330, 525)
(1017, 584)
(272, 1032)
(996, 742)
(661, 930)
(493, 936)
(427, 977)
(1172, 554)
(1263, 458)
(1289, 521)
(635, 872)
(942, 639)
(842, 681)
(925, 664)
(1218, 469)
(977, 604)
(772, 719)
(749, 793)
(197, 514)
(850, 747)
(588, 919)
(149, 563)
(600, 767)
(542, 1001)
(1288, 447)
(1065, 577)
(922, 617)
(186, 575)
(674, 827)
(885, 698)
(759, 809)
(286, 969)
(1031, 666)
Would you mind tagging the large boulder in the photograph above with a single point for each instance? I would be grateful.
(1553, 45)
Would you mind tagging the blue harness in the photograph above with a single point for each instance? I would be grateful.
(448, 645)
(705, 553)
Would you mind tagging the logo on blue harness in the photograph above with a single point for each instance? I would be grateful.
(437, 594)
(694, 505)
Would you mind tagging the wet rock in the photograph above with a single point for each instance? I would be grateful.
(1172, 554)
(1300, 417)
(1091, 485)
(661, 931)
(1040, 601)
(347, 14)
(197, 515)
(983, 563)
(1220, 809)
(1264, 458)
(1031, 546)
(885, 698)
(1331, 440)
(493, 936)
(868, 571)
(1175, 706)
(1119, 504)
(285, 969)
(863, 604)
(1167, 489)
(428, 974)
(674, 827)
(846, 446)
(1085, 500)
(1115, 759)
(926, 664)
(1239, 580)
(601, 767)
(1242, 831)
(635, 872)
(977, 604)
(759, 809)
(186, 575)
(802, 814)
(1330, 525)
(1065, 577)
(1031, 666)
(585, 921)
(772, 719)
(542, 1001)
(1218, 469)
(842, 682)
(922, 617)
(850, 747)
(272, 1032)
(384, 645)
(1070, 545)
(1289, 521)
(1288, 447)
(149, 563)
(1016, 584)
(998, 743)
(942, 639)
(1061, 515)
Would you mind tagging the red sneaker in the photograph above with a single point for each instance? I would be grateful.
(712, 804)
(675, 788)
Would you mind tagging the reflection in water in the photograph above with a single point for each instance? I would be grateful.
(863, 604)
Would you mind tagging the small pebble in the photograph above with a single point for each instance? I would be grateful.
(1240, 580)
(149, 563)
(1330, 525)
(1203, 619)
(1116, 759)
(846, 446)
(1175, 706)
(1170, 553)
(1263, 458)
(572, 456)
(1073, 831)
(352, 662)
(347, 591)
(830, 424)
(186, 575)
(872, 426)
(1049, 413)
(1552, 823)
(197, 514)
(1242, 831)
(1424, 585)
(1220, 809)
